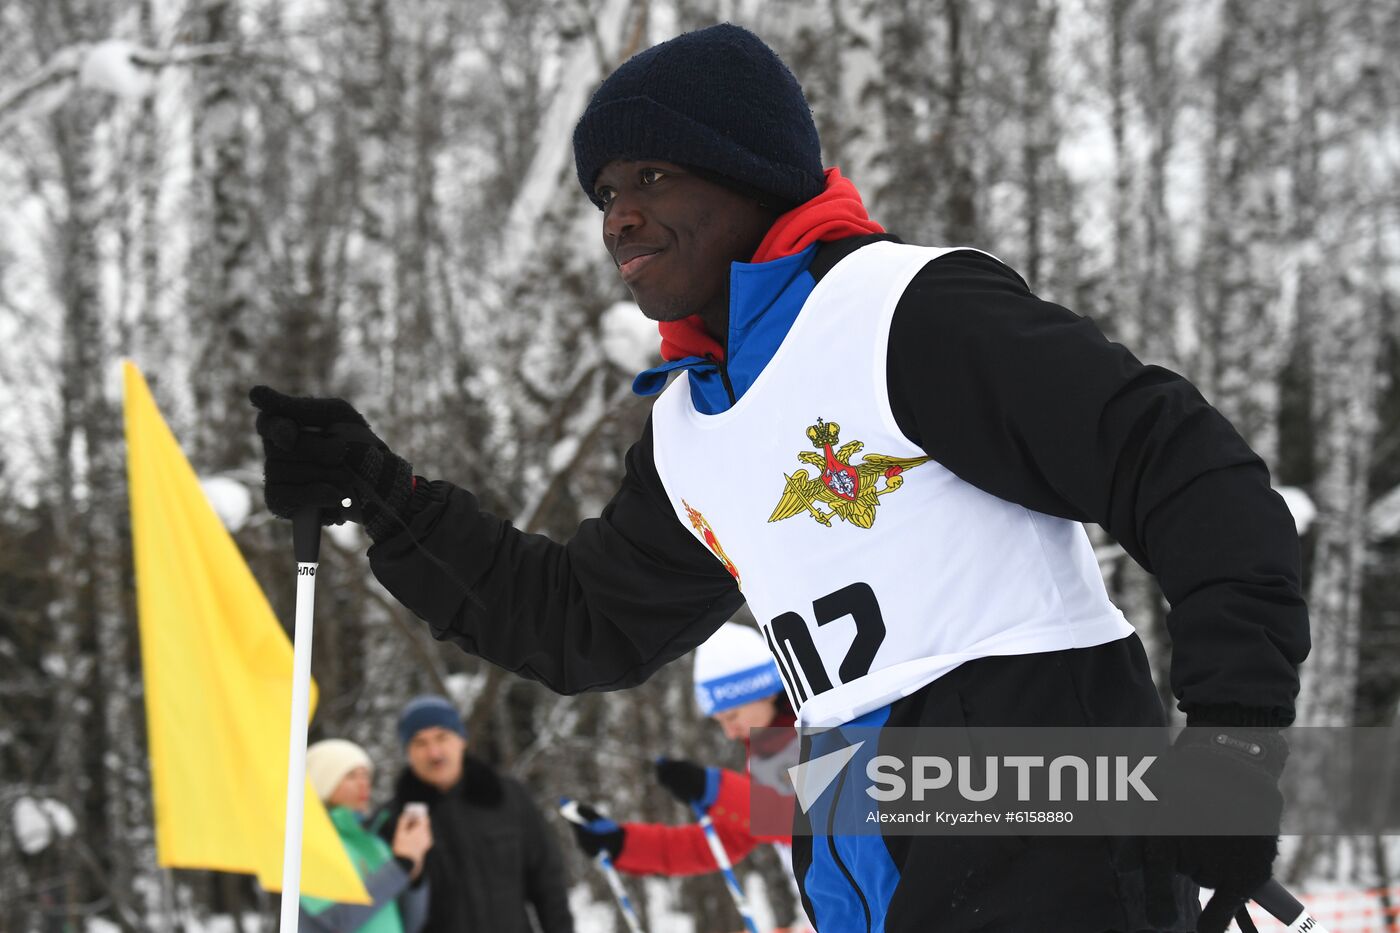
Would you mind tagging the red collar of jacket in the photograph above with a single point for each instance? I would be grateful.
(835, 214)
(779, 733)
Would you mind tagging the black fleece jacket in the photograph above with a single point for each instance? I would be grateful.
(492, 854)
(1017, 396)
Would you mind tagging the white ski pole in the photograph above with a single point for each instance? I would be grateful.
(1286, 909)
(725, 867)
(306, 545)
(569, 810)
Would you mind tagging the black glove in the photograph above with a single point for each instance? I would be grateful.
(1229, 770)
(598, 833)
(688, 782)
(320, 452)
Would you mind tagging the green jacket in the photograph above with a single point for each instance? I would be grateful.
(397, 906)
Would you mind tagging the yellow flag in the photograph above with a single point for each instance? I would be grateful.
(218, 671)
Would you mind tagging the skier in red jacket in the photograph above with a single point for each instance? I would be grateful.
(737, 685)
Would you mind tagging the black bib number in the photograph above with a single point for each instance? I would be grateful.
(799, 662)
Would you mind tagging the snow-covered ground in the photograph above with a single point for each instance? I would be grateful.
(1338, 909)
(590, 915)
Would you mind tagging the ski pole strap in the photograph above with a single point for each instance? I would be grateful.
(725, 868)
(306, 536)
(1286, 909)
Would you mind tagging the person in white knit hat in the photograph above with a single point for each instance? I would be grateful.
(340, 772)
(737, 685)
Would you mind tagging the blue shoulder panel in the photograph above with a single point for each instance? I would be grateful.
(764, 300)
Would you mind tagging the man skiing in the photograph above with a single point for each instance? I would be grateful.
(887, 451)
(736, 684)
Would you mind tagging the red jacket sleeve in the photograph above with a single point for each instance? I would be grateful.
(658, 849)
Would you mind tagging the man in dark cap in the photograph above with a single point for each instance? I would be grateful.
(887, 450)
(493, 855)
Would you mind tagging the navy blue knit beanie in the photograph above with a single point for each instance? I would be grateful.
(717, 99)
(425, 711)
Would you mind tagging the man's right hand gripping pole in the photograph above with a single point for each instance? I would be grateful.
(320, 453)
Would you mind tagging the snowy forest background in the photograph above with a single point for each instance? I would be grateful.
(376, 199)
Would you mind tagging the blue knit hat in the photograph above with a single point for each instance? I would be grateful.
(716, 99)
(426, 711)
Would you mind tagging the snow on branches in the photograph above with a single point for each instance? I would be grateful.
(115, 67)
(37, 821)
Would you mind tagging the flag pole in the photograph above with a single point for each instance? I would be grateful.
(306, 545)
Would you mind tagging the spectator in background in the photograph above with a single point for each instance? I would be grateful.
(493, 852)
(392, 871)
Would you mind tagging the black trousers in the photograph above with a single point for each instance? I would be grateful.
(1052, 884)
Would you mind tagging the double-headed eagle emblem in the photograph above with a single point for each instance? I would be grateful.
(851, 491)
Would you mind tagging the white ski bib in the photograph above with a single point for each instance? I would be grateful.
(872, 569)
